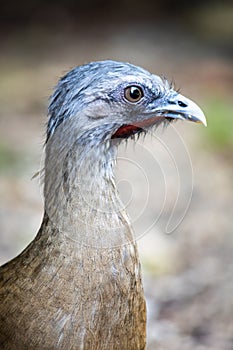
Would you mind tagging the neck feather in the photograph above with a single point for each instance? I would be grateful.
(81, 198)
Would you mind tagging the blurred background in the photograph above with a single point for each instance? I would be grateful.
(187, 271)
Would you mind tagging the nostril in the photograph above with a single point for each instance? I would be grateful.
(182, 104)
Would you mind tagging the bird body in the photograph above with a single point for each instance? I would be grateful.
(78, 283)
(72, 296)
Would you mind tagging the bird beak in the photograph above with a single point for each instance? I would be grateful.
(176, 106)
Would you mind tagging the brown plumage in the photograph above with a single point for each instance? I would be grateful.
(78, 284)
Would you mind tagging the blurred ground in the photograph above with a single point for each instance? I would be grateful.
(188, 274)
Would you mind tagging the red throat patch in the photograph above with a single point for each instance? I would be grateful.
(127, 130)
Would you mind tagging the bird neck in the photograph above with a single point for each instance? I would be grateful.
(81, 198)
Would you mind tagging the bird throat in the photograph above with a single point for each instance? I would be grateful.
(81, 198)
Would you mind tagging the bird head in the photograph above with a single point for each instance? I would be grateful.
(93, 108)
(115, 100)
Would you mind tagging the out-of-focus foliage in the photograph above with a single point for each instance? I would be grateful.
(11, 161)
(8, 159)
(219, 133)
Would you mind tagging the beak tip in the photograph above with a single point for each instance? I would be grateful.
(202, 120)
(196, 115)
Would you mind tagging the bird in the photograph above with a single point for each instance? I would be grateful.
(78, 284)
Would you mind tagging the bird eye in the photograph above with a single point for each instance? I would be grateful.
(133, 94)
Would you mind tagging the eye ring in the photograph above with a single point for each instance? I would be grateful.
(133, 93)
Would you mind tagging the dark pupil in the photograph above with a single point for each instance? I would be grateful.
(135, 93)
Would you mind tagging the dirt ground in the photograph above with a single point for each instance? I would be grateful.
(188, 271)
